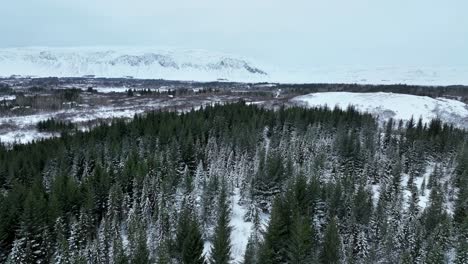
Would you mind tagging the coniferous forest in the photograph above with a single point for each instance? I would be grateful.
(317, 185)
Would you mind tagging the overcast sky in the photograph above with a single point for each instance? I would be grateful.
(333, 32)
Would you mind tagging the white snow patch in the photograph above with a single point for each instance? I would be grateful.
(392, 105)
(240, 229)
(24, 136)
(254, 103)
(375, 190)
(424, 199)
(7, 97)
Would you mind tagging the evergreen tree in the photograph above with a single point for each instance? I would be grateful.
(300, 247)
(119, 256)
(192, 250)
(141, 254)
(189, 243)
(462, 250)
(221, 250)
(331, 245)
(274, 246)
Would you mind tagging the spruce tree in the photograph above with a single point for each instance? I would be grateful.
(221, 249)
(189, 243)
(141, 254)
(274, 245)
(331, 245)
(300, 247)
(192, 248)
(462, 250)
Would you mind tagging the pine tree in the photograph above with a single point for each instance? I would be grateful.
(253, 244)
(119, 256)
(361, 248)
(62, 255)
(462, 250)
(331, 245)
(274, 245)
(300, 247)
(221, 249)
(435, 255)
(164, 252)
(30, 245)
(192, 248)
(189, 243)
(141, 254)
(250, 255)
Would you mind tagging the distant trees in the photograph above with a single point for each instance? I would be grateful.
(52, 125)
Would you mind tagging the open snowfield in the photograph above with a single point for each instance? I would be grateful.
(392, 105)
(22, 129)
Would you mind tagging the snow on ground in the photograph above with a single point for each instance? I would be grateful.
(424, 199)
(392, 105)
(123, 89)
(375, 190)
(24, 136)
(73, 115)
(424, 195)
(7, 97)
(240, 229)
(22, 129)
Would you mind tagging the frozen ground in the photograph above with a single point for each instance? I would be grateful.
(25, 126)
(7, 97)
(23, 136)
(21, 128)
(392, 105)
(240, 229)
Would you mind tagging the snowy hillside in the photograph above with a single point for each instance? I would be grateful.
(200, 65)
(148, 63)
(397, 106)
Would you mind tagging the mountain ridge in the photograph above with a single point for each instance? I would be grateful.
(203, 65)
(119, 62)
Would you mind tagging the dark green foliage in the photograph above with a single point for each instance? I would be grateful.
(141, 254)
(52, 125)
(301, 247)
(221, 250)
(76, 197)
(275, 245)
(331, 248)
(192, 248)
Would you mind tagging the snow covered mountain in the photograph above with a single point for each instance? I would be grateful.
(391, 105)
(149, 63)
(200, 65)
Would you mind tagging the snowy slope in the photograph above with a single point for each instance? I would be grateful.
(397, 106)
(200, 65)
(151, 63)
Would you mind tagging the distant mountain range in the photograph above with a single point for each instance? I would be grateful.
(200, 65)
(127, 62)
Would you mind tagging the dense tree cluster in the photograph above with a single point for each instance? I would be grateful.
(53, 125)
(331, 185)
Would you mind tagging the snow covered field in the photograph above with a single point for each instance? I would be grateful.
(22, 128)
(392, 105)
